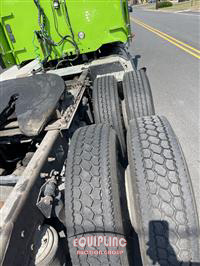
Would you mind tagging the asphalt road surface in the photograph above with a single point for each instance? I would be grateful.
(174, 73)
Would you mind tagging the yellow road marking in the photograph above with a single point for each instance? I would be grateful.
(169, 39)
(184, 44)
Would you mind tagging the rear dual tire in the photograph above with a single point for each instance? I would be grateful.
(160, 195)
(94, 193)
(107, 106)
(159, 192)
(137, 95)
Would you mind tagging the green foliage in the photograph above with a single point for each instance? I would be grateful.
(164, 4)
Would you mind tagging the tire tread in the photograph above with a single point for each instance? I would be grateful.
(137, 94)
(106, 105)
(162, 191)
(89, 190)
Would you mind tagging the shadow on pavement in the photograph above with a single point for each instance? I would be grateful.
(159, 243)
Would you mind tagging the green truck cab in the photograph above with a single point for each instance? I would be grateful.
(55, 29)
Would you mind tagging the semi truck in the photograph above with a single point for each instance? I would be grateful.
(89, 173)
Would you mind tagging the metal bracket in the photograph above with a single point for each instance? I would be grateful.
(6, 17)
(10, 34)
(46, 197)
(65, 121)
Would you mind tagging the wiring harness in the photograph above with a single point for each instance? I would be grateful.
(46, 41)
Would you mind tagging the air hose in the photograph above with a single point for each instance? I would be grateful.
(45, 40)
